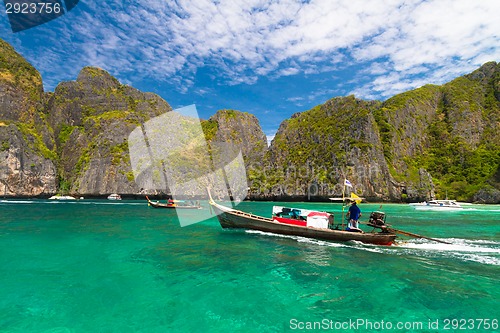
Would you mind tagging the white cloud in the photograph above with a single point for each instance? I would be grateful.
(295, 99)
(434, 42)
(245, 39)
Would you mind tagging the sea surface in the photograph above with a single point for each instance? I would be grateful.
(102, 266)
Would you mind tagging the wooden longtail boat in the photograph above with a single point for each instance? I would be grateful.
(232, 218)
(172, 204)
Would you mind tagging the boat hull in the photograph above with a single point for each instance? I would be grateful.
(437, 205)
(437, 208)
(160, 205)
(233, 219)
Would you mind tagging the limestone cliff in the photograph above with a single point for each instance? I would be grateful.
(26, 143)
(429, 142)
(239, 128)
(314, 151)
(92, 118)
(450, 132)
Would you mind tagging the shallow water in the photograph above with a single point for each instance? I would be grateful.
(101, 266)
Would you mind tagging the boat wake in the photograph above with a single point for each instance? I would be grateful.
(460, 245)
(111, 202)
(298, 238)
(16, 201)
(479, 251)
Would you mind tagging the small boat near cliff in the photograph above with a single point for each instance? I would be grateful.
(300, 222)
(62, 197)
(174, 204)
(114, 196)
(439, 205)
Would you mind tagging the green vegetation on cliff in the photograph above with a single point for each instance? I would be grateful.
(35, 141)
(15, 70)
(324, 133)
(451, 131)
(312, 151)
(25, 94)
(209, 128)
(434, 139)
(239, 129)
(464, 153)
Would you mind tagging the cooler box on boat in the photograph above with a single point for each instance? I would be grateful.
(301, 217)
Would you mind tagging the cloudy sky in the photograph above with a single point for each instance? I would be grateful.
(270, 58)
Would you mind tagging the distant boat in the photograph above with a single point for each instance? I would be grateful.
(439, 205)
(352, 197)
(175, 204)
(62, 197)
(114, 196)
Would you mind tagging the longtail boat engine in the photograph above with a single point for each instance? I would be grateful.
(377, 220)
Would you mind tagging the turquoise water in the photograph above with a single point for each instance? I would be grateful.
(101, 266)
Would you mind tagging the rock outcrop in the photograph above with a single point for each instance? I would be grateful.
(92, 118)
(450, 131)
(241, 129)
(314, 151)
(27, 153)
(428, 142)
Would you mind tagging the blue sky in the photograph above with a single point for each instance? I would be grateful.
(269, 58)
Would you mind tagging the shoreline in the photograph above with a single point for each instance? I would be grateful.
(142, 197)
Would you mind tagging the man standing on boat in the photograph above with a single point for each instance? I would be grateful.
(354, 214)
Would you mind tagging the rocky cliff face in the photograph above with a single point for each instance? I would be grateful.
(403, 122)
(71, 141)
(92, 118)
(448, 134)
(26, 143)
(429, 142)
(24, 171)
(240, 129)
(314, 151)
